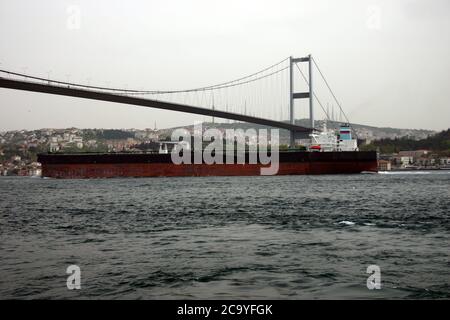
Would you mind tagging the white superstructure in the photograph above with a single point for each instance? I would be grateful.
(328, 140)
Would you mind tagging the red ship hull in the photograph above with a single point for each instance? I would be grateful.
(148, 165)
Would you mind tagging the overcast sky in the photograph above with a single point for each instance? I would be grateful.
(388, 61)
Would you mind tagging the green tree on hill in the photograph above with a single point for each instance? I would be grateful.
(439, 142)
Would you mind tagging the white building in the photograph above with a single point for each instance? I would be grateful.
(404, 160)
(53, 147)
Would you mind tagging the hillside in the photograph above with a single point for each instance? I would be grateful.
(439, 143)
(27, 143)
(364, 132)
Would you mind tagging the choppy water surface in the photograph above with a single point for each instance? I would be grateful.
(287, 237)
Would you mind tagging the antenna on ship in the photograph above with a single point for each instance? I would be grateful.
(212, 94)
(328, 112)
(332, 114)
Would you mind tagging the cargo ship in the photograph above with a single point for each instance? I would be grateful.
(325, 153)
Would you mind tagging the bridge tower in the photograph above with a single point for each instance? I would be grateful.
(300, 95)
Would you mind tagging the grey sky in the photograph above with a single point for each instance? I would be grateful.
(388, 61)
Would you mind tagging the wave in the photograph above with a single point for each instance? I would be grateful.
(414, 172)
(347, 223)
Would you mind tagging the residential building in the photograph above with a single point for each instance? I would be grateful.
(384, 165)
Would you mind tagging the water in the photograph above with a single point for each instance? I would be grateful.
(289, 237)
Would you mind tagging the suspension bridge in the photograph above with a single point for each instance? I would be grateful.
(266, 97)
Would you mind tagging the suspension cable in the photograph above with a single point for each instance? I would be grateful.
(216, 86)
(334, 97)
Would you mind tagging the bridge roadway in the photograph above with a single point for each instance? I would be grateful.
(117, 98)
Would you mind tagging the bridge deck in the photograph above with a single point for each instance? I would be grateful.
(104, 96)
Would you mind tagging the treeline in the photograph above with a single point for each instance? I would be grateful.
(10, 150)
(439, 143)
(107, 134)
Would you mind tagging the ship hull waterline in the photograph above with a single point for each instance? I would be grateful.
(81, 166)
